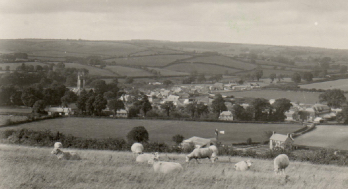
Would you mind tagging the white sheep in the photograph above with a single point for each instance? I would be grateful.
(137, 148)
(165, 167)
(201, 153)
(58, 145)
(281, 162)
(242, 165)
(65, 155)
(142, 158)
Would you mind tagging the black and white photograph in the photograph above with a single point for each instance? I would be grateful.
(173, 94)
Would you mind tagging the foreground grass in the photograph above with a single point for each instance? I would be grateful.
(27, 167)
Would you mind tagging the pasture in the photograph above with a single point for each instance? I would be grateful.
(5, 118)
(224, 61)
(155, 61)
(28, 167)
(337, 84)
(159, 130)
(128, 71)
(200, 68)
(325, 136)
(294, 96)
(92, 70)
(167, 72)
(13, 66)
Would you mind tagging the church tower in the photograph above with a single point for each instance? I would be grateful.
(80, 81)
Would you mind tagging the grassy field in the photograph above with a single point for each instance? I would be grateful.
(326, 136)
(4, 119)
(294, 96)
(157, 60)
(200, 68)
(159, 130)
(128, 71)
(92, 70)
(167, 72)
(337, 84)
(224, 61)
(28, 167)
(10, 109)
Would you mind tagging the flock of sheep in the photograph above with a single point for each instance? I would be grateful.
(281, 162)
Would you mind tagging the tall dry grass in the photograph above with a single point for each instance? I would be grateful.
(28, 167)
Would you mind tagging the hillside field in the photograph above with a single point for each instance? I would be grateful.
(326, 136)
(337, 84)
(159, 130)
(29, 167)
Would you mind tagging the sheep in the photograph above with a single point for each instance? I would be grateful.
(165, 167)
(137, 148)
(242, 165)
(58, 145)
(65, 155)
(281, 162)
(201, 153)
(146, 157)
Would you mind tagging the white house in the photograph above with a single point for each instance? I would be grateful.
(226, 115)
(280, 141)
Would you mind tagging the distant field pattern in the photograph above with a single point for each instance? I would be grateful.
(13, 66)
(168, 72)
(92, 70)
(326, 136)
(128, 71)
(200, 68)
(155, 61)
(337, 84)
(224, 61)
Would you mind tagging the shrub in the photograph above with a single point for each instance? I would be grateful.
(178, 139)
(138, 134)
(249, 141)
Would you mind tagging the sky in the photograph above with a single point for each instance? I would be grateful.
(315, 23)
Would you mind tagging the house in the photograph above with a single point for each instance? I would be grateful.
(121, 113)
(291, 115)
(226, 115)
(60, 111)
(279, 141)
(319, 110)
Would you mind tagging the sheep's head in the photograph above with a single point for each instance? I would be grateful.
(156, 156)
(58, 145)
(249, 163)
(152, 161)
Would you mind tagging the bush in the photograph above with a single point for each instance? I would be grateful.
(178, 139)
(138, 134)
(249, 141)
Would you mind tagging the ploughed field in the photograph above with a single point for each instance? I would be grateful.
(159, 130)
(28, 167)
(337, 84)
(326, 136)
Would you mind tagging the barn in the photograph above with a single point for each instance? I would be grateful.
(279, 141)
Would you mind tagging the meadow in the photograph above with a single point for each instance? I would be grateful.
(294, 96)
(29, 167)
(155, 61)
(336, 84)
(201, 68)
(167, 72)
(4, 119)
(13, 66)
(224, 61)
(159, 130)
(128, 71)
(326, 136)
(92, 70)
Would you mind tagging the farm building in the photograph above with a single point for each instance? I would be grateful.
(60, 111)
(280, 141)
(291, 115)
(226, 115)
(198, 141)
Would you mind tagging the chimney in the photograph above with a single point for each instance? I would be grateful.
(288, 135)
(274, 132)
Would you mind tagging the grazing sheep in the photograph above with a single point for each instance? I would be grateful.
(137, 148)
(215, 151)
(280, 163)
(201, 153)
(165, 167)
(58, 145)
(65, 155)
(242, 165)
(142, 158)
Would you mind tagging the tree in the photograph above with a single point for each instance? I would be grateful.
(89, 105)
(69, 97)
(168, 106)
(296, 77)
(272, 76)
(39, 106)
(192, 108)
(167, 82)
(258, 74)
(218, 104)
(115, 104)
(201, 78)
(178, 139)
(280, 77)
(99, 104)
(281, 106)
(239, 113)
(30, 96)
(308, 76)
(100, 86)
(342, 116)
(343, 69)
(202, 109)
(260, 107)
(138, 134)
(145, 104)
(129, 80)
(334, 98)
(5, 94)
(81, 101)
